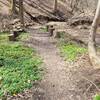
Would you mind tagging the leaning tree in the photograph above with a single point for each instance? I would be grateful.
(95, 60)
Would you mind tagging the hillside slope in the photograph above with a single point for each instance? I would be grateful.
(41, 10)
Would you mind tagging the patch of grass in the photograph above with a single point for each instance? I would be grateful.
(61, 35)
(71, 51)
(97, 97)
(3, 37)
(19, 67)
(23, 36)
(43, 29)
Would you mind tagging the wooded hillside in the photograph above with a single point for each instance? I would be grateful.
(49, 50)
(38, 10)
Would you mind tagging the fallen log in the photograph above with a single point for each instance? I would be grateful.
(75, 21)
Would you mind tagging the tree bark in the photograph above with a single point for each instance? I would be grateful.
(21, 13)
(92, 44)
(55, 5)
(13, 7)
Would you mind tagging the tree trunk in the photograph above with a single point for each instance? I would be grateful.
(55, 6)
(13, 7)
(92, 44)
(21, 13)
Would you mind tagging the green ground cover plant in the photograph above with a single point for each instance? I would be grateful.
(19, 66)
(71, 51)
(96, 97)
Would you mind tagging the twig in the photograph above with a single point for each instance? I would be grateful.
(88, 88)
(87, 91)
(92, 83)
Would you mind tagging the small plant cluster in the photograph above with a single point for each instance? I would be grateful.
(43, 29)
(23, 36)
(97, 97)
(3, 37)
(71, 51)
(19, 67)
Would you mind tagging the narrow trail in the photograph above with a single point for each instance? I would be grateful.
(55, 79)
(58, 82)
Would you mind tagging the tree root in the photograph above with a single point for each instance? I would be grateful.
(94, 58)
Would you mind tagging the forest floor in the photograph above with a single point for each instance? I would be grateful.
(62, 80)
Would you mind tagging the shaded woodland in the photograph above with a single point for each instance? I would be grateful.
(49, 50)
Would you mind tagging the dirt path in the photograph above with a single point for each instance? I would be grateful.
(61, 80)
(55, 79)
(58, 82)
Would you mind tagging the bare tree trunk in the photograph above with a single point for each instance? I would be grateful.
(13, 7)
(92, 44)
(21, 12)
(55, 5)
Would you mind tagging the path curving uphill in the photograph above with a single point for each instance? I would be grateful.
(60, 78)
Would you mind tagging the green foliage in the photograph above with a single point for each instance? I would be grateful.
(61, 35)
(43, 29)
(3, 37)
(23, 36)
(97, 97)
(71, 51)
(19, 67)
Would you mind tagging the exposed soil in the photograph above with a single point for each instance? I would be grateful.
(62, 80)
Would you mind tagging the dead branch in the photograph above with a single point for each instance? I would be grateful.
(91, 83)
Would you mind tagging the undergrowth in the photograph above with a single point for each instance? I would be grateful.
(23, 36)
(97, 97)
(71, 51)
(19, 66)
(43, 29)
